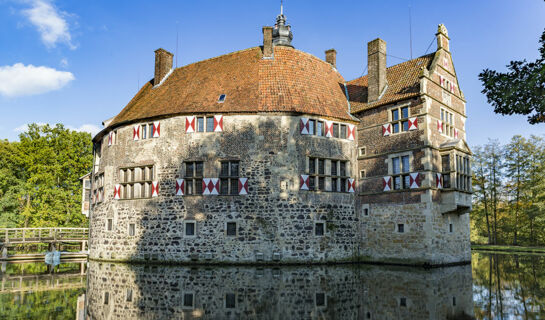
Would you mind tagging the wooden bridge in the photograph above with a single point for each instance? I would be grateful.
(53, 237)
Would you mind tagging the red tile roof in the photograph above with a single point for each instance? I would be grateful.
(403, 83)
(292, 82)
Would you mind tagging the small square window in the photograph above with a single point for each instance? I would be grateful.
(405, 125)
(363, 151)
(221, 98)
(320, 128)
(401, 228)
(362, 174)
(405, 112)
(200, 124)
(402, 302)
(320, 299)
(395, 127)
(335, 130)
(230, 301)
(311, 126)
(110, 224)
(395, 114)
(106, 297)
(231, 229)
(190, 229)
(189, 300)
(366, 211)
(454, 301)
(343, 131)
(319, 229)
(132, 230)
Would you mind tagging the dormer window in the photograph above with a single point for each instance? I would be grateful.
(221, 99)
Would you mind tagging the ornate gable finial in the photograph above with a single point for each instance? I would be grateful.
(442, 29)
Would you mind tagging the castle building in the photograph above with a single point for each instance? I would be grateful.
(268, 155)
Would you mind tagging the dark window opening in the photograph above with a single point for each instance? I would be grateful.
(231, 228)
(188, 300)
(320, 299)
(110, 224)
(403, 302)
(319, 229)
(229, 175)
(193, 177)
(401, 228)
(230, 301)
(190, 228)
(221, 98)
(131, 229)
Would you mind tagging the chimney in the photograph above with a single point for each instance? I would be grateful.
(163, 65)
(376, 69)
(267, 42)
(331, 57)
(442, 37)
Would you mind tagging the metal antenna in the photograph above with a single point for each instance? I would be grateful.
(410, 33)
(281, 7)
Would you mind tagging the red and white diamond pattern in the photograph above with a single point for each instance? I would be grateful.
(180, 187)
(351, 185)
(351, 132)
(190, 124)
(386, 129)
(413, 123)
(110, 138)
(387, 183)
(218, 123)
(304, 126)
(210, 186)
(440, 126)
(328, 128)
(157, 131)
(414, 180)
(456, 133)
(155, 189)
(117, 192)
(438, 181)
(304, 182)
(242, 185)
(136, 132)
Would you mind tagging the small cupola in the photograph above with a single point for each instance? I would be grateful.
(282, 34)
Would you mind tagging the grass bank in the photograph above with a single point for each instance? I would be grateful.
(505, 248)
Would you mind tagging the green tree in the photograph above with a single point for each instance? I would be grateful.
(521, 90)
(11, 184)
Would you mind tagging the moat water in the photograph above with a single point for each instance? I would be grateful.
(494, 286)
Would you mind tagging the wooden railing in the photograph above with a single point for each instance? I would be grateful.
(42, 235)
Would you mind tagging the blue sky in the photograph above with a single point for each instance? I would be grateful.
(80, 62)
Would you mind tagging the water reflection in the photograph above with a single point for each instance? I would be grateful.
(507, 286)
(311, 292)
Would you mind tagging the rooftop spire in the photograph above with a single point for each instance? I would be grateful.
(282, 34)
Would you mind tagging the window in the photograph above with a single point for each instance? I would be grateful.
(147, 130)
(335, 130)
(319, 229)
(362, 174)
(450, 227)
(129, 295)
(448, 122)
(132, 230)
(188, 301)
(112, 138)
(98, 188)
(338, 174)
(402, 302)
(110, 225)
(400, 171)
(136, 182)
(365, 211)
(106, 297)
(230, 301)
(320, 128)
(343, 131)
(205, 124)
(362, 151)
(193, 177)
(221, 99)
(311, 126)
(229, 175)
(400, 119)
(401, 228)
(190, 229)
(231, 229)
(463, 177)
(445, 164)
(320, 300)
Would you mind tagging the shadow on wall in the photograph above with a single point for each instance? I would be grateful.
(271, 219)
(118, 291)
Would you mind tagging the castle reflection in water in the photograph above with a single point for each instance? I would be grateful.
(120, 291)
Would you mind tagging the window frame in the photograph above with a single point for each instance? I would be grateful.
(194, 223)
(129, 181)
(319, 176)
(403, 175)
(315, 229)
(227, 229)
(206, 121)
(230, 177)
(447, 119)
(401, 124)
(194, 181)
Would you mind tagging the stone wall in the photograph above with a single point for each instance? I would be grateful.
(316, 292)
(274, 217)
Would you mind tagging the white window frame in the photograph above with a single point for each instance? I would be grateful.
(194, 222)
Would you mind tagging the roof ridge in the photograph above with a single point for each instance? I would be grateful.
(398, 64)
(217, 57)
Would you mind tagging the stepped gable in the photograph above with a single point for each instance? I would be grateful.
(403, 83)
(292, 81)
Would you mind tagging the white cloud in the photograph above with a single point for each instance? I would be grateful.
(51, 23)
(91, 128)
(21, 80)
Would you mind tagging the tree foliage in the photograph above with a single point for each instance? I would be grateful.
(509, 192)
(521, 90)
(39, 177)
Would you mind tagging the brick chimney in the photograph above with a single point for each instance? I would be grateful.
(163, 65)
(376, 69)
(442, 37)
(267, 42)
(331, 57)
